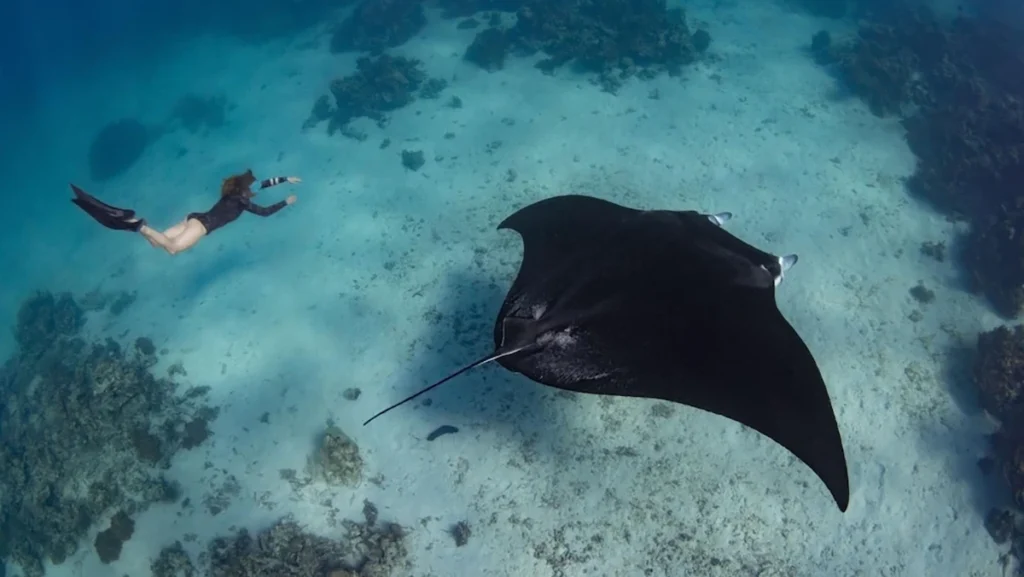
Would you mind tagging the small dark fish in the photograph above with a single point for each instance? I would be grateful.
(442, 430)
(663, 304)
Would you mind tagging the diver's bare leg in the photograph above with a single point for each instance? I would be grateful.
(190, 234)
(176, 229)
(170, 233)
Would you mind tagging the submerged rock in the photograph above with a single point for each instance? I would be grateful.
(338, 460)
(379, 85)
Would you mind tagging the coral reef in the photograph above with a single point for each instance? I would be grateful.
(173, 561)
(85, 429)
(999, 377)
(380, 85)
(376, 25)
(337, 460)
(994, 255)
(285, 550)
(614, 38)
(116, 147)
(999, 372)
(960, 90)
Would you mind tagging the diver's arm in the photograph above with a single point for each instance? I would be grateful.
(265, 210)
(276, 180)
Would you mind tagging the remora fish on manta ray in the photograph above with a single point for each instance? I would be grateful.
(667, 305)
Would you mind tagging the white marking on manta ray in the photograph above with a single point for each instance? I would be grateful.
(563, 338)
(565, 363)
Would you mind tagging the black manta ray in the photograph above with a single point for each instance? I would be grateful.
(664, 305)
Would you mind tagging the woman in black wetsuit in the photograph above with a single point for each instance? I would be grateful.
(235, 198)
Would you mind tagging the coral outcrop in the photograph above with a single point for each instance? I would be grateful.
(173, 561)
(999, 372)
(85, 430)
(959, 88)
(615, 39)
(999, 377)
(286, 550)
(337, 460)
(379, 85)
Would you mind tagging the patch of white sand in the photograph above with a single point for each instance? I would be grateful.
(386, 279)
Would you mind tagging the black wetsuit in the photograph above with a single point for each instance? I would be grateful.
(230, 207)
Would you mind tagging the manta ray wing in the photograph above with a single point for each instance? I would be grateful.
(654, 307)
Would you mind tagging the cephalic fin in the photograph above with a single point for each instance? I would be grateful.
(785, 263)
(720, 218)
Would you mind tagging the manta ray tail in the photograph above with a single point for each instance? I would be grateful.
(492, 357)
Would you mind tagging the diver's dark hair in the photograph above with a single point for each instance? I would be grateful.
(239, 184)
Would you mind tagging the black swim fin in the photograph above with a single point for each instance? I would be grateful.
(111, 217)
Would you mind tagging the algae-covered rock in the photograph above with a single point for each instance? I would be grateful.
(337, 459)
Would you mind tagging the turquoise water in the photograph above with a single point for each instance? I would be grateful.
(201, 413)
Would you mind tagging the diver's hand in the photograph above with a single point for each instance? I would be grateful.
(291, 199)
(293, 179)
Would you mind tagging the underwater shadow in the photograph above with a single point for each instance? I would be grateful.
(840, 90)
(487, 395)
(957, 381)
(957, 377)
(962, 279)
(204, 272)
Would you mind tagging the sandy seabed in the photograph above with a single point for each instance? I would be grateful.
(386, 279)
